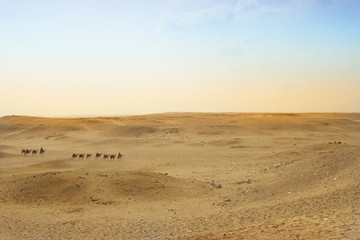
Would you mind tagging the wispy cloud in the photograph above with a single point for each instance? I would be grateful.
(313, 3)
(229, 49)
(214, 13)
(218, 13)
(244, 4)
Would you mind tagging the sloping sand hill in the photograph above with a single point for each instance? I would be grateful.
(182, 176)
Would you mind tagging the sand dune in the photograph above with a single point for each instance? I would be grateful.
(183, 176)
(101, 188)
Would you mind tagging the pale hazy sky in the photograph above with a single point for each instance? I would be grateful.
(106, 57)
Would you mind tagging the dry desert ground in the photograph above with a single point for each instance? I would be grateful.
(182, 176)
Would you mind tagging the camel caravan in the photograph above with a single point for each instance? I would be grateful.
(81, 156)
(75, 156)
(32, 152)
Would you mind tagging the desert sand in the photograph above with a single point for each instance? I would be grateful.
(182, 176)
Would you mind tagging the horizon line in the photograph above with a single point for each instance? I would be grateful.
(163, 113)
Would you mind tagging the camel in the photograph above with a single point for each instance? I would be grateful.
(106, 156)
(27, 152)
(98, 155)
(112, 157)
(81, 156)
(23, 152)
(120, 155)
(88, 155)
(34, 152)
(42, 151)
(74, 156)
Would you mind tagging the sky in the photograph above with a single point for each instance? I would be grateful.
(107, 57)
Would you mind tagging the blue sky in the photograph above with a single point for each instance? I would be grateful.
(62, 58)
